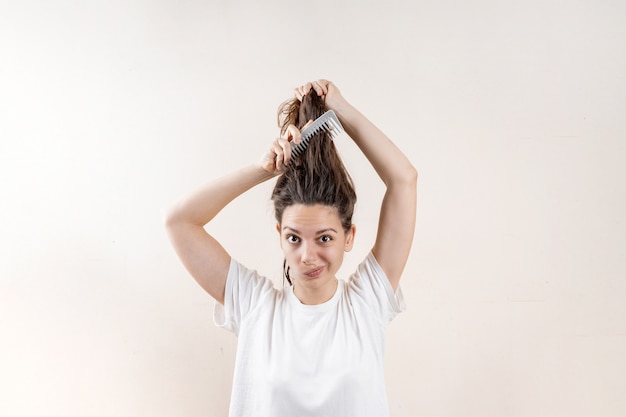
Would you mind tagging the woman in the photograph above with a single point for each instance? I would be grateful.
(314, 348)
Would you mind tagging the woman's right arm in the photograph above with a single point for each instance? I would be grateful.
(201, 254)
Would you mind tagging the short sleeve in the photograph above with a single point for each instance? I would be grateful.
(370, 287)
(245, 289)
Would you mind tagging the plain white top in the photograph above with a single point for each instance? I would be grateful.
(296, 360)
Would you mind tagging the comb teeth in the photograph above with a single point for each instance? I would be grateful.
(327, 122)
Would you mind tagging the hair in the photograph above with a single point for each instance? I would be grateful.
(317, 175)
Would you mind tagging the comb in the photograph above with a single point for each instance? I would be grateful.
(327, 122)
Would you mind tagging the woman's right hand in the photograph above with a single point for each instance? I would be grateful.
(279, 153)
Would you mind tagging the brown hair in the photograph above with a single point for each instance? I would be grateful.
(317, 175)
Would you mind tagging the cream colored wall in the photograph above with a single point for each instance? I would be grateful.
(513, 112)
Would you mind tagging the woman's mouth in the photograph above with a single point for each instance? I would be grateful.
(314, 273)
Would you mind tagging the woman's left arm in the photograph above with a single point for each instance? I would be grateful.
(396, 223)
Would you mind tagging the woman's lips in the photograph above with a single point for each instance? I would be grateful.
(315, 272)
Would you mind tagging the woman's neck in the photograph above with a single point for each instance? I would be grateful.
(314, 296)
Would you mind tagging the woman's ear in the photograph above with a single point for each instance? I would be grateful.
(280, 241)
(350, 238)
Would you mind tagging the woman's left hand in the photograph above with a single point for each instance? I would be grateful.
(323, 88)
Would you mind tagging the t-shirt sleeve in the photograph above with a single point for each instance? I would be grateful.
(371, 287)
(245, 289)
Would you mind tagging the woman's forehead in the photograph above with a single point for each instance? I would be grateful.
(310, 217)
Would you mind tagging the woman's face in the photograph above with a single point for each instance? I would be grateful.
(314, 242)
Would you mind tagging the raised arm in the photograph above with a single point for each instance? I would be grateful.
(203, 256)
(396, 223)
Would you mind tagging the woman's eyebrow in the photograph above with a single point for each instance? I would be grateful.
(319, 232)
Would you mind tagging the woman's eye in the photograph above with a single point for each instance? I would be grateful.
(292, 239)
(325, 239)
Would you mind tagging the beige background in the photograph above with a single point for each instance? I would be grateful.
(513, 113)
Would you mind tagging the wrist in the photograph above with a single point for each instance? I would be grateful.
(344, 110)
(260, 171)
(336, 103)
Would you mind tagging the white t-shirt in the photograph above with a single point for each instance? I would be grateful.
(296, 360)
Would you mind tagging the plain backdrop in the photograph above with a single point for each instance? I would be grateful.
(512, 112)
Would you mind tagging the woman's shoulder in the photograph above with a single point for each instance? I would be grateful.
(246, 280)
(369, 286)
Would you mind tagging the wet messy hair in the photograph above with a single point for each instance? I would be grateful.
(317, 175)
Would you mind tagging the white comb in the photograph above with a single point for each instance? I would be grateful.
(327, 122)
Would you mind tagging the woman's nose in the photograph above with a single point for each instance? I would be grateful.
(309, 254)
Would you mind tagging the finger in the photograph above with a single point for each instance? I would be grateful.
(324, 85)
(297, 93)
(286, 146)
(292, 133)
(283, 151)
(309, 123)
(279, 156)
(307, 87)
(303, 90)
(319, 87)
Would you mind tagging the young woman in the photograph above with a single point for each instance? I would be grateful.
(315, 347)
